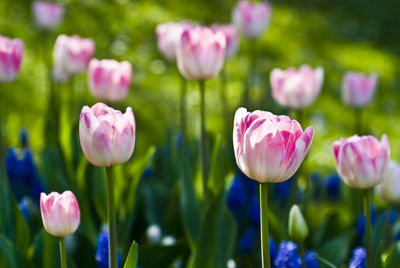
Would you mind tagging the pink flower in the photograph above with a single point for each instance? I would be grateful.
(107, 136)
(231, 38)
(252, 19)
(168, 37)
(361, 161)
(72, 55)
(60, 213)
(11, 53)
(201, 53)
(358, 89)
(296, 88)
(269, 148)
(389, 189)
(109, 80)
(47, 14)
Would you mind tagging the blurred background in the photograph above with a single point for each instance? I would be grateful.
(340, 35)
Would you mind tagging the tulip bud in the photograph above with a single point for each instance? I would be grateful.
(47, 14)
(109, 80)
(201, 53)
(169, 36)
(107, 136)
(269, 148)
(231, 38)
(11, 53)
(358, 89)
(361, 161)
(71, 55)
(251, 19)
(298, 229)
(389, 189)
(60, 213)
(294, 88)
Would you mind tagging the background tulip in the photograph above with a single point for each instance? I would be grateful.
(72, 55)
(107, 136)
(11, 53)
(251, 19)
(361, 161)
(168, 37)
(298, 229)
(109, 80)
(201, 53)
(47, 14)
(269, 148)
(389, 189)
(60, 213)
(231, 38)
(294, 88)
(358, 89)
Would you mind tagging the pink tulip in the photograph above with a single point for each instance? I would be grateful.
(296, 88)
(361, 161)
(72, 55)
(47, 14)
(60, 213)
(107, 136)
(11, 53)
(389, 189)
(201, 53)
(231, 38)
(358, 89)
(109, 80)
(168, 37)
(251, 19)
(269, 148)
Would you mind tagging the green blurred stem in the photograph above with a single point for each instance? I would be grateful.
(63, 255)
(358, 121)
(266, 262)
(299, 116)
(183, 105)
(302, 254)
(203, 137)
(224, 102)
(112, 228)
(249, 83)
(367, 211)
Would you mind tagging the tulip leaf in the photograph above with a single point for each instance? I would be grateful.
(132, 259)
(11, 254)
(216, 177)
(190, 207)
(342, 245)
(325, 261)
(158, 255)
(392, 258)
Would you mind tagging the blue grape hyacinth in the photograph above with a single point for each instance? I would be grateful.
(311, 261)
(237, 196)
(287, 256)
(22, 174)
(358, 260)
(246, 242)
(102, 251)
(333, 184)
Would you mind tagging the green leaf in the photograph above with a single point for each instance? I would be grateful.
(158, 255)
(13, 256)
(216, 179)
(132, 259)
(392, 258)
(325, 261)
(190, 207)
(341, 244)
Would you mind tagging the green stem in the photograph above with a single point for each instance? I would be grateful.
(358, 121)
(367, 211)
(302, 254)
(249, 83)
(63, 255)
(203, 137)
(112, 228)
(183, 105)
(266, 262)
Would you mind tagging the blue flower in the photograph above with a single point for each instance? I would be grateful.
(361, 221)
(237, 196)
(358, 259)
(102, 251)
(23, 207)
(251, 185)
(246, 242)
(393, 216)
(272, 250)
(333, 186)
(148, 172)
(22, 174)
(179, 139)
(254, 212)
(282, 189)
(24, 138)
(287, 256)
(311, 261)
(397, 236)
